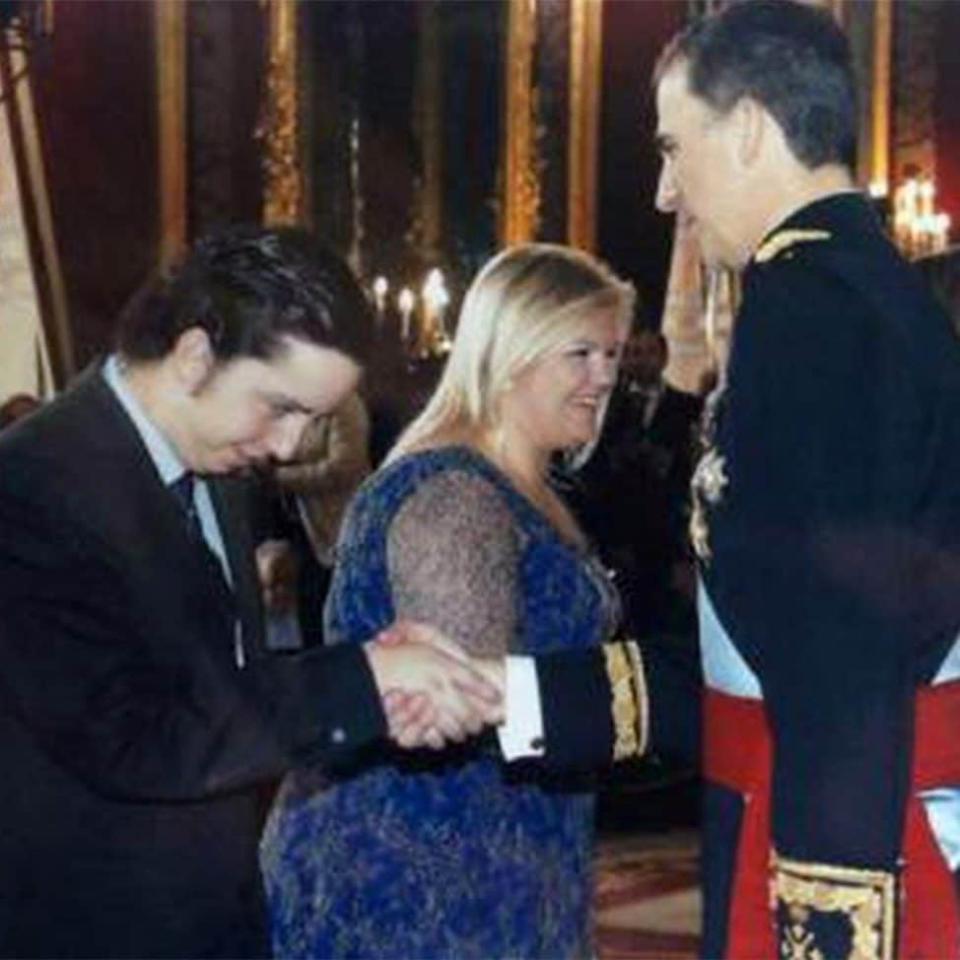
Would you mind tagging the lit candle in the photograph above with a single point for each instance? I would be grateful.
(380, 288)
(912, 208)
(927, 230)
(942, 234)
(435, 298)
(926, 190)
(902, 215)
(405, 302)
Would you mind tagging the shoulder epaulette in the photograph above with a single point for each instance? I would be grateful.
(784, 240)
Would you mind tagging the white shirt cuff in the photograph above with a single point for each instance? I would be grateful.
(521, 734)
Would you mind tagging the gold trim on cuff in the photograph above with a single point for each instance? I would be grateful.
(628, 703)
(866, 897)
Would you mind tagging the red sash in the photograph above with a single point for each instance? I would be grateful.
(738, 754)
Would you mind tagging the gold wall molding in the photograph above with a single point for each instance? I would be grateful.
(170, 20)
(283, 190)
(521, 178)
(586, 52)
(37, 341)
(429, 116)
(24, 358)
(880, 93)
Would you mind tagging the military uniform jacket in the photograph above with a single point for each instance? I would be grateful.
(133, 743)
(829, 547)
(828, 524)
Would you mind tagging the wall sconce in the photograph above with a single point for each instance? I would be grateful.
(919, 228)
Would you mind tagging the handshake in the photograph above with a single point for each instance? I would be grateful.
(433, 692)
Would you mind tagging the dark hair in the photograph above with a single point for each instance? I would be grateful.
(249, 288)
(16, 407)
(790, 57)
(643, 331)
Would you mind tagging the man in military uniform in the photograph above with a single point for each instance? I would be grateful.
(827, 526)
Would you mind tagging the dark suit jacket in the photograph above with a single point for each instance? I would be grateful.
(632, 498)
(132, 743)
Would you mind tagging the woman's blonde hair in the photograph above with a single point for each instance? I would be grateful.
(525, 302)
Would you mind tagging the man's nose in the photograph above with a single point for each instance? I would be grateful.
(666, 199)
(285, 437)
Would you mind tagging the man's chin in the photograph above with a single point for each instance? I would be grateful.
(231, 463)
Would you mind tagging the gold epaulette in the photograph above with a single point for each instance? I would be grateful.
(784, 240)
(812, 897)
(628, 692)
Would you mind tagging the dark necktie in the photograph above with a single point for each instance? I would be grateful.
(182, 489)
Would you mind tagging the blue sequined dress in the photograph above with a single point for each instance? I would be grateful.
(451, 855)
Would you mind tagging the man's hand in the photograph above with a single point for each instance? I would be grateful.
(432, 696)
(492, 669)
(277, 570)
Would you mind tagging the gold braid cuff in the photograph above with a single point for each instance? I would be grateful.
(861, 900)
(628, 703)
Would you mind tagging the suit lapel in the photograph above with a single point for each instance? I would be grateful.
(129, 504)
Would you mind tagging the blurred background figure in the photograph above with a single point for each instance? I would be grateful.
(16, 407)
(302, 502)
(633, 493)
(331, 461)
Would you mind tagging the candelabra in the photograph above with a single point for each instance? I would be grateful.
(421, 326)
(919, 229)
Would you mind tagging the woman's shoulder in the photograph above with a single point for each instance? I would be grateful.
(436, 473)
(455, 462)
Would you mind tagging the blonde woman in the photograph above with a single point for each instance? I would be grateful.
(449, 853)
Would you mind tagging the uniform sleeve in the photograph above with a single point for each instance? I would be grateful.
(136, 718)
(810, 570)
(618, 702)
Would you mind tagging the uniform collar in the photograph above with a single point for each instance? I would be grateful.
(822, 219)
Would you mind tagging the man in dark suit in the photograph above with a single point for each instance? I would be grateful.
(633, 493)
(139, 712)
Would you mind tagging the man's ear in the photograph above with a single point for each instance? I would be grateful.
(193, 358)
(752, 124)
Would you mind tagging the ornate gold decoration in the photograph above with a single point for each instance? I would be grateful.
(629, 701)
(170, 19)
(798, 942)
(521, 178)
(24, 356)
(708, 483)
(33, 288)
(586, 51)
(866, 898)
(784, 240)
(643, 698)
(283, 199)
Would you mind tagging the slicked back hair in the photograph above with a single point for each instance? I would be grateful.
(250, 288)
(790, 57)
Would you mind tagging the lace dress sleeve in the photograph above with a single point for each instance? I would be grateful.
(452, 554)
